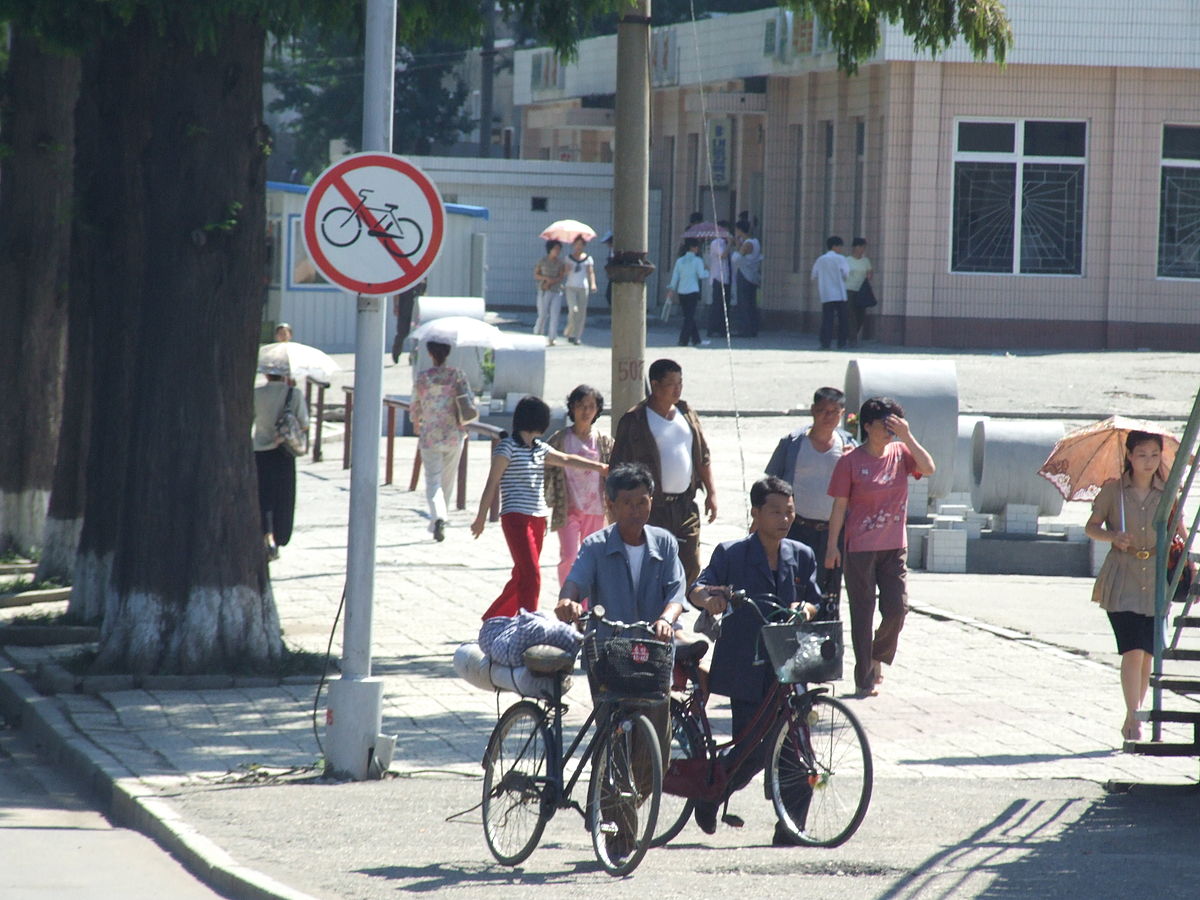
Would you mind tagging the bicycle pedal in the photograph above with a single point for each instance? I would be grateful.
(733, 821)
(608, 827)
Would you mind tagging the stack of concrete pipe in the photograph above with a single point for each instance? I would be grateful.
(928, 391)
(469, 359)
(1005, 458)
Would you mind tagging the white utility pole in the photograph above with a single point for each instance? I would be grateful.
(355, 747)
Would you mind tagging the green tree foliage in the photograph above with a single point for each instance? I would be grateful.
(932, 24)
(319, 76)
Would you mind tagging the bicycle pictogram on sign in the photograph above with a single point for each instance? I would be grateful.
(373, 223)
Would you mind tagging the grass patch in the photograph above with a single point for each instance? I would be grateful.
(20, 584)
(304, 662)
(47, 619)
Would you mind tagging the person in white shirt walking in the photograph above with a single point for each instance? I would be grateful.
(581, 283)
(830, 272)
(685, 284)
(860, 272)
(718, 268)
(747, 261)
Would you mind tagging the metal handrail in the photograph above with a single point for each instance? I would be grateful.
(1163, 527)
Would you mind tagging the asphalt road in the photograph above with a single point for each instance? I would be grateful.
(922, 837)
(54, 845)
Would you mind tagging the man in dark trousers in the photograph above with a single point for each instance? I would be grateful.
(663, 434)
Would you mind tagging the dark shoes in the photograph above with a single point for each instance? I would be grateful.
(439, 530)
(783, 837)
(706, 816)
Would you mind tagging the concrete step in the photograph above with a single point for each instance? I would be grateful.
(1157, 748)
(1020, 555)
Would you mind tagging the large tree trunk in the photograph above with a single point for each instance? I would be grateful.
(173, 209)
(35, 229)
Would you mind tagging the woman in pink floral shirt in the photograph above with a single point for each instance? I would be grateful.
(441, 437)
(869, 487)
(576, 497)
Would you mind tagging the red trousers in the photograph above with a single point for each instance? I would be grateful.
(524, 535)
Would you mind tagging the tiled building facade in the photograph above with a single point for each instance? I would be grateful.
(1054, 202)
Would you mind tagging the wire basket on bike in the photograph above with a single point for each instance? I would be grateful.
(805, 651)
(629, 667)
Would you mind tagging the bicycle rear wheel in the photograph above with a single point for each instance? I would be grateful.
(516, 802)
(625, 792)
(687, 742)
(820, 774)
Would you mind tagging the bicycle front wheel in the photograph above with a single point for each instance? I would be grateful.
(820, 774)
(625, 792)
(516, 802)
(687, 742)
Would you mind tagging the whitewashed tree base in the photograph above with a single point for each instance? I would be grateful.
(60, 541)
(22, 518)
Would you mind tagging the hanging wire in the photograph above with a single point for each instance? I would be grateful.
(712, 200)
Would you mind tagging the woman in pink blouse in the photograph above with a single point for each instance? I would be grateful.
(575, 496)
(440, 435)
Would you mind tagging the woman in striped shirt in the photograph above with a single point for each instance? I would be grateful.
(518, 472)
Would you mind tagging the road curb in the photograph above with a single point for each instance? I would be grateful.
(128, 802)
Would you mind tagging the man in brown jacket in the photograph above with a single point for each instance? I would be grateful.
(663, 434)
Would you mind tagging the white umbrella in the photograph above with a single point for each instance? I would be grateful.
(566, 230)
(296, 360)
(460, 331)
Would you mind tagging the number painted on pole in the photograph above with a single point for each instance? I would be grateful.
(629, 370)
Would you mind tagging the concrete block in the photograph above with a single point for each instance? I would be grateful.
(951, 523)
(918, 498)
(953, 509)
(917, 536)
(52, 678)
(1003, 554)
(1099, 553)
(1018, 518)
(106, 684)
(975, 523)
(1076, 534)
(946, 550)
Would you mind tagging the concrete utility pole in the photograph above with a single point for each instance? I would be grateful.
(487, 78)
(355, 748)
(630, 267)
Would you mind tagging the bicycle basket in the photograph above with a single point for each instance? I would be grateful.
(805, 651)
(629, 667)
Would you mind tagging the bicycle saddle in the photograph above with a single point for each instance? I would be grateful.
(690, 653)
(542, 659)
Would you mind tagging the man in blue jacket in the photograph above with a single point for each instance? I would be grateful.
(805, 459)
(764, 562)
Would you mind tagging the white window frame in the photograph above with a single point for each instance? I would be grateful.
(1163, 162)
(1018, 158)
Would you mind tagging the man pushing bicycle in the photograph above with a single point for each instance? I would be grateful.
(764, 562)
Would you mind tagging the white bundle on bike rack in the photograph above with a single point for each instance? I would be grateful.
(477, 669)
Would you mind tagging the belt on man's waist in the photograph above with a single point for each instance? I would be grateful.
(671, 498)
(814, 524)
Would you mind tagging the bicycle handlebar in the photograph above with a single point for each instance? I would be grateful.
(596, 614)
(743, 598)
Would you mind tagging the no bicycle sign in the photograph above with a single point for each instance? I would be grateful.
(373, 223)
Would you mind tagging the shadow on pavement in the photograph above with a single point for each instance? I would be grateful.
(1105, 846)
(1005, 759)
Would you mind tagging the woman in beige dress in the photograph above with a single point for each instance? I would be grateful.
(1122, 515)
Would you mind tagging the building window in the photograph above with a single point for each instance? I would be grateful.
(860, 168)
(538, 204)
(827, 184)
(1179, 203)
(1043, 164)
(798, 198)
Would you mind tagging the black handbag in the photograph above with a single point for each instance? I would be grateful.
(864, 297)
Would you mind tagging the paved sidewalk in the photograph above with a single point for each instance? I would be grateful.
(999, 679)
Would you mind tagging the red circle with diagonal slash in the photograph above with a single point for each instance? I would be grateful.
(373, 223)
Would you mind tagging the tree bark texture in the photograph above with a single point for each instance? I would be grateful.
(172, 157)
(35, 229)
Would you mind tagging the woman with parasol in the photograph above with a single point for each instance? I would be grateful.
(438, 416)
(1123, 515)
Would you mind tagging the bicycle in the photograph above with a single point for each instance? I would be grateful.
(819, 772)
(402, 238)
(525, 767)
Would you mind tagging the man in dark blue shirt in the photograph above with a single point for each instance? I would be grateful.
(764, 562)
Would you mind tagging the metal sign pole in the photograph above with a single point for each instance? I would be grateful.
(355, 746)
